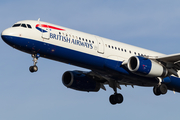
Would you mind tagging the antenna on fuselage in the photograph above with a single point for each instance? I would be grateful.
(39, 19)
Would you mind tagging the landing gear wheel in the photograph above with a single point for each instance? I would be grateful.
(119, 98)
(116, 98)
(158, 90)
(112, 99)
(163, 89)
(33, 68)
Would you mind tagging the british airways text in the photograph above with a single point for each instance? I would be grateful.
(69, 40)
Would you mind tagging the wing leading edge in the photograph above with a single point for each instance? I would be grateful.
(170, 61)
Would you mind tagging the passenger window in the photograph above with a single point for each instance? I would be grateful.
(79, 38)
(112, 47)
(116, 48)
(16, 25)
(29, 26)
(92, 41)
(109, 46)
(23, 25)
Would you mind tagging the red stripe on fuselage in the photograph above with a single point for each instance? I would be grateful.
(48, 26)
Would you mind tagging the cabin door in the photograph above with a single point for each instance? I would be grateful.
(45, 35)
(100, 45)
(44, 30)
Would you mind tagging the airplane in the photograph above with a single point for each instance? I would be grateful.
(110, 62)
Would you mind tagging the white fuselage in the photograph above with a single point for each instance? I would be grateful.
(79, 41)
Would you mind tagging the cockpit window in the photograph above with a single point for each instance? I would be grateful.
(29, 26)
(16, 25)
(23, 25)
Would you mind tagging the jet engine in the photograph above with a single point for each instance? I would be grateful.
(79, 81)
(146, 67)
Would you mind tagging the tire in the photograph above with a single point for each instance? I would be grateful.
(163, 89)
(112, 99)
(119, 98)
(31, 69)
(156, 91)
(35, 68)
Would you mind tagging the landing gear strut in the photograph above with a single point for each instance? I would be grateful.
(116, 97)
(34, 68)
(161, 89)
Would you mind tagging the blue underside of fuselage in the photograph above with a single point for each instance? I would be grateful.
(105, 66)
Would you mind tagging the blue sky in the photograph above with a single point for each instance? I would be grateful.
(153, 25)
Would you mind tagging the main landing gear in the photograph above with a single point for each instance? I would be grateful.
(34, 68)
(115, 98)
(160, 89)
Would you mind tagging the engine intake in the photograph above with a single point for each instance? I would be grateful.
(78, 81)
(146, 67)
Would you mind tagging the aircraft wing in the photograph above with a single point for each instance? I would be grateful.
(171, 61)
(170, 58)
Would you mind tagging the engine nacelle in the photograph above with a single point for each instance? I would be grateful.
(78, 81)
(146, 67)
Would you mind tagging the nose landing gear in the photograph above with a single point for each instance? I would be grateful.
(34, 68)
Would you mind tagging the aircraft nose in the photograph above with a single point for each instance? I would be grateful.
(7, 32)
(6, 35)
